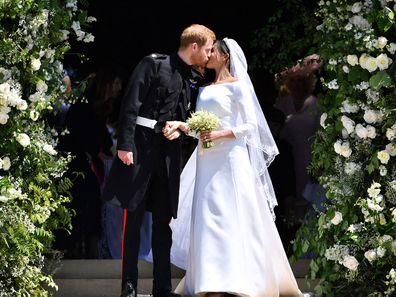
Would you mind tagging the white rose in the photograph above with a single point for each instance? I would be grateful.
(345, 68)
(374, 190)
(371, 64)
(337, 146)
(361, 131)
(356, 7)
(391, 149)
(362, 60)
(337, 218)
(372, 116)
(21, 104)
(386, 238)
(344, 133)
(392, 48)
(5, 88)
(35, 64)
(23, 139)
(383, 156)
(348, 124)
(370, 255)
(390, 134)
(3, 99)
(349, 107)
(41, 87)
(345, 150)
(3, 198)
(382, 61)
(49, 149)
(371, 133)
(380, 251)
(6, 163)
(352, 60)
(381, 42)
(3, 118)
(350, 262)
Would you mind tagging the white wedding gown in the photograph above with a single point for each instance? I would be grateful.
(225, 236)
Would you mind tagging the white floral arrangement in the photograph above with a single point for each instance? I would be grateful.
(33, 191)
(354, 153)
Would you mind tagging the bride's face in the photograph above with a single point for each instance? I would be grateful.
(216, 59)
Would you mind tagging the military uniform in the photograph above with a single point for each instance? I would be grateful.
(162, 88)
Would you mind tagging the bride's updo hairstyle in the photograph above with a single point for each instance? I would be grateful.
(222, 47)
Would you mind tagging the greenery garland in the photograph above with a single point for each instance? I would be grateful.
(354, 238)
(33, 192)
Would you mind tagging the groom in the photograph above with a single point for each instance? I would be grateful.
(146, 173)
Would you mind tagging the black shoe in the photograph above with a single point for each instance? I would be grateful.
(128, 290)
(174, 295)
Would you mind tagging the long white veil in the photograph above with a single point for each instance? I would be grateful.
(261, 144)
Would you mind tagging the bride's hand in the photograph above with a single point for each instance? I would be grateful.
(172, 126)
(172, 129)
(207, 136)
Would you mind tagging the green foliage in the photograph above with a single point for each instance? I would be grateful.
(33, 191)
(287, 36)
(353, 156)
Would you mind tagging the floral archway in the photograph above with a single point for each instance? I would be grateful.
(33, 192)
(353, 239)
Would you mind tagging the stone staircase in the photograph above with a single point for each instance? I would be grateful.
(101, 278)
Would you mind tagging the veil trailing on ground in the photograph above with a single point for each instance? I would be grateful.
(261, 144)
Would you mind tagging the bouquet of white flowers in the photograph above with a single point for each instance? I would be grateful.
(203, 121)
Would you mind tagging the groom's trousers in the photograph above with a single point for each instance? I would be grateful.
(156, 200)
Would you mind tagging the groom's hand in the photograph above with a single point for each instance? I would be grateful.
(125, 156)
(171, 130)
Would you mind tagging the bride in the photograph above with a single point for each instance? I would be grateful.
(225, 236)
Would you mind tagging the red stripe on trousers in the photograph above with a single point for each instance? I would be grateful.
(122, 243)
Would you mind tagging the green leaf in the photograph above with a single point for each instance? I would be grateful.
(355, 74)
(386, 19)
(380, 79)
(305, 246)
(370, 168)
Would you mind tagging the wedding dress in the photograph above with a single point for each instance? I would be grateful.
(225, 235)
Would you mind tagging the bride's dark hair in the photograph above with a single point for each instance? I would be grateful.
(222, 47)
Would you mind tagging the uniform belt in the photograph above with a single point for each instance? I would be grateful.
(149, 123)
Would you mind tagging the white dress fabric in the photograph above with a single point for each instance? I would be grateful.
(225, 236)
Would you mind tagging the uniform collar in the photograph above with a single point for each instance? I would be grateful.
(184, 69)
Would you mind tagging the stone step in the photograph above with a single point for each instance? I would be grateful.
(101, 278)
(103, 269)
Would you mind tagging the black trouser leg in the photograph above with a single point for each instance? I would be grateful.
(161, 236)
(161, 245)
(131, 244)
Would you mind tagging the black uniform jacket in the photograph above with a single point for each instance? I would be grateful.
(161, 88)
